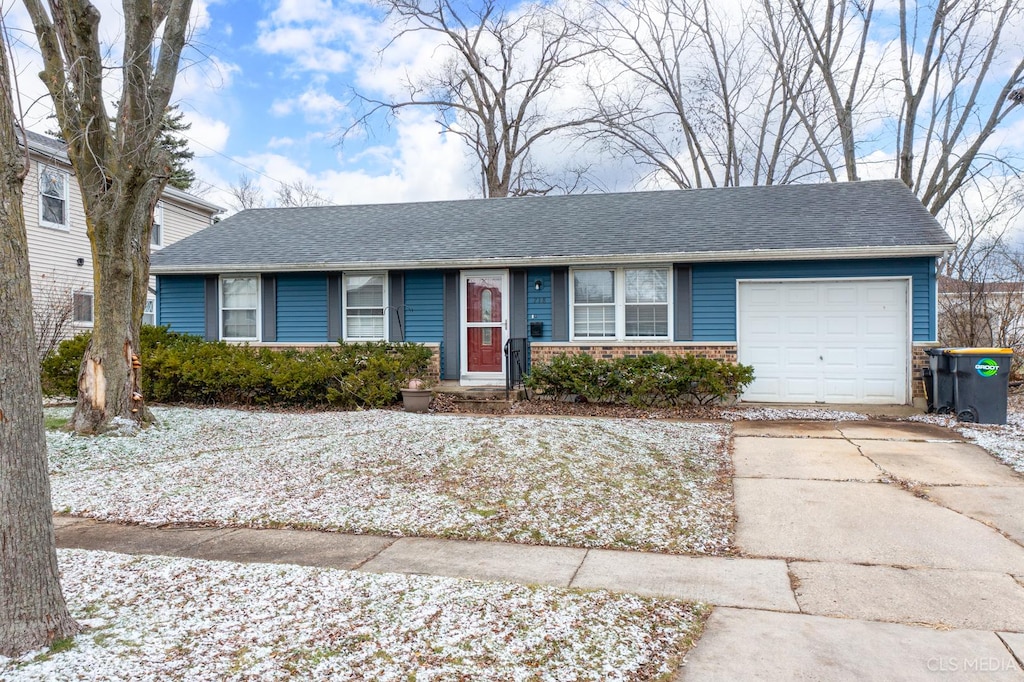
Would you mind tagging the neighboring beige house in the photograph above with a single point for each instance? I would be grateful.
(59, 253)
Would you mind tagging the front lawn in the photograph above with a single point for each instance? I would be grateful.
(158, 618)
(615, 483)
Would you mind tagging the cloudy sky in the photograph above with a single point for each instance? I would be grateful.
(268, 86)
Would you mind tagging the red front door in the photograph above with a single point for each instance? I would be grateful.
(485, 323)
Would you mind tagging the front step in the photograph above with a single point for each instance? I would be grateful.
(480, 399)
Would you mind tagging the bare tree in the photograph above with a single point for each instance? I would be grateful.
(246, 194)
(983, 305)
(53, 311)
(795, 89)
(121, 168)
(701, 96)
(493, 86)
(981, 284)
(834, 34)
(955, 85)
(33, 613)
(300, 193)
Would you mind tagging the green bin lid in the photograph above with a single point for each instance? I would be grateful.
(978, 351)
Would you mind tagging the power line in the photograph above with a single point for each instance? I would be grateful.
(232, 160)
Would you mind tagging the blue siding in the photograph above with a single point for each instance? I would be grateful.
(302, 308)
(181, 303)
(714, 289)
(424, 309)
(424, 306)
(538, 303)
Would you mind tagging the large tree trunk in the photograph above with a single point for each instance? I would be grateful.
(108, 380)
(121, 169)
(32, 609)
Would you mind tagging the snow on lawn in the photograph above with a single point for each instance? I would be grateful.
(618, 483)
(156, 618)
(1004, 441)
(758, 413)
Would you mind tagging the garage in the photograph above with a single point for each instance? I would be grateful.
(825, 341)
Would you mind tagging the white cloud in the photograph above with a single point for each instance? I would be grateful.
(210, 133)
(289, 11)
(202, 78)
(315, 104)
(421, 166)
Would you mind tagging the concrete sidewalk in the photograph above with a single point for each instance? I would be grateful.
(745, 583)
(870, 551)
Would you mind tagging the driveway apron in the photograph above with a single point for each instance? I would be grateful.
(905, 550)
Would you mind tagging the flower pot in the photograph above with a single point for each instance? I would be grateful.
(416, 399)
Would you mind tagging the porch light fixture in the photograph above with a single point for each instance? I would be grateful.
(537, 285)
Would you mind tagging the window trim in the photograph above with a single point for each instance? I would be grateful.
(345, 307)
(619, 303)
(158, 210)
(149, 299)
(221, 309)
(66, 225)
(92, 308)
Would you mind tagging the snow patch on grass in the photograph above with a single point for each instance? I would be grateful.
(1003, 441)
(155, 618)
(779, 414)
(617, 483)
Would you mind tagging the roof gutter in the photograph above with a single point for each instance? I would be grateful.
(862, 252)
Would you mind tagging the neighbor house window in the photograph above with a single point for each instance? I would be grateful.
(364, 307)
(620, 303)
(156, 238)
(149, 312)
(239, 307)
(81, 307)
(53, 197)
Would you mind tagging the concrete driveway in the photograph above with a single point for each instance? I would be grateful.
(904, 547)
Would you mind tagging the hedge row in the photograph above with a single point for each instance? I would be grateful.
(643, 381)
(181, 368)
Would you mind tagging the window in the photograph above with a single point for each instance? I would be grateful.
(81, 307)
(364, 307)
(239, 308)
(149, 312)
(594, 309)
(156, 238)
(646, 304)
(620, 303)
(53, 197)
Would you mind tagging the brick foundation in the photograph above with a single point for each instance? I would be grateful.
(543, 352)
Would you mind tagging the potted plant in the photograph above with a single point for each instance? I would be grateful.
(416, 396)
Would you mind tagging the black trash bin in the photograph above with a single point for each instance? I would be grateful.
(981, 380)
(938, 381)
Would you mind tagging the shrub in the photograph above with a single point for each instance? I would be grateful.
(60, 369)
(181, 368)
(642, 381)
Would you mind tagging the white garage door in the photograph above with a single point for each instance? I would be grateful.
(831, 341)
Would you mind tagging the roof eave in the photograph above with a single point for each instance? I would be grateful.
(860, 252)
(169, 192)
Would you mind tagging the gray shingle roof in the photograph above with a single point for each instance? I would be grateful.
(830, 220)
